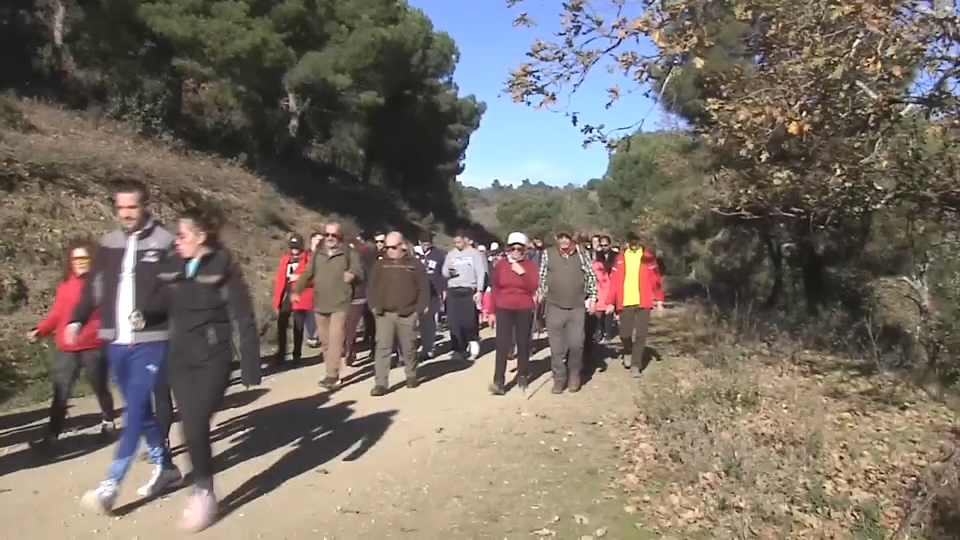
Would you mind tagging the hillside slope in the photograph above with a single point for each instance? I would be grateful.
(56, 173)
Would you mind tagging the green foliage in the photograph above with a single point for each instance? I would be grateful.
(363, 85)
(534, 216)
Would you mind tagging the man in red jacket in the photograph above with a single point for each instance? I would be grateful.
(291, 265)
(635, 289)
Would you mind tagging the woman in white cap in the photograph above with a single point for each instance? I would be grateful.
(515, 281)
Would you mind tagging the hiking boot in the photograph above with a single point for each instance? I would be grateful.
(497, 389)
(413, 381)
(101, 499)
(200, 513)
(574, 386)
(162, 480)
(330, 383)
(558, 387)
(378, 391)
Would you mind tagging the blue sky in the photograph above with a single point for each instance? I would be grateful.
(515, 141)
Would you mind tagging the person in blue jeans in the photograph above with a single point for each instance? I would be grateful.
(125, 273)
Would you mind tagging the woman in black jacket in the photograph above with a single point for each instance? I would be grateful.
(203, 293)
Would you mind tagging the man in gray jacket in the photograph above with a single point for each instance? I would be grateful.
(466, 271)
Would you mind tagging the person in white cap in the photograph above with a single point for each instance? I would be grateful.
(514, 285)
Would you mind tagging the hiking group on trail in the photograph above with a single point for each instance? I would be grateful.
(166, 313)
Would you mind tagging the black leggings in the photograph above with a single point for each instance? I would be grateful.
(64, 374)
(513, 327)
(199, 391)
(163, 401)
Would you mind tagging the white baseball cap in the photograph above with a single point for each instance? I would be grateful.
(516, 238)
(494, 246)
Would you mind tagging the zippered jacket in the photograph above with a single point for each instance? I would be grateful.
(143, 252)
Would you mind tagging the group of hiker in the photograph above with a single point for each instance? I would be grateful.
(168, 312)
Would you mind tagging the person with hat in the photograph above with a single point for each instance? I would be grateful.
(568, 288)
(514, 286)
(292, 264)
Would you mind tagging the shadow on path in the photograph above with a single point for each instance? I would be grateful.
(314, 434)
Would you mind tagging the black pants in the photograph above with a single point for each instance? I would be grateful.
(634, 325)
(592, 335)
(163, 402)
(283, 322)
(199, 391)
(64, 374)
(514, 327)
(428, 326)
(461, 318)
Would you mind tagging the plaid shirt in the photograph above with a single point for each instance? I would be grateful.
(585, 265)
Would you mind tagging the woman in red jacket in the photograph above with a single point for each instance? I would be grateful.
(86, 353)
(514, 284)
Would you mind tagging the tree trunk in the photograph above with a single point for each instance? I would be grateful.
(775, 253)
(57, 24)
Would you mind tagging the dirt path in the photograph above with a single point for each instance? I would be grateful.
(446, 460)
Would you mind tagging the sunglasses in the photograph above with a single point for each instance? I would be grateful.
(517, 248)
(379, 241)
(331, 235)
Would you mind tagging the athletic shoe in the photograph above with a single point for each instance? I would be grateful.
(162, 479)
(102, 499)
(474, 349)
(200, 513)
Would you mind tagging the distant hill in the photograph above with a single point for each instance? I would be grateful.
(484, 202)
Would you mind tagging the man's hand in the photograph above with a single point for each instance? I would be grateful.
(492, 320)
(590, 304)
(517, 269)
(70, 334)
(348, 277)
(32, 335)
(609, 309)
(476, 297)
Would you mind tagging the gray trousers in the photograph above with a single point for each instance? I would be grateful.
(565, 335)
(393, 328)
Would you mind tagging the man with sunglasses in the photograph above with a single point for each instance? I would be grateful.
(568, 287)
(398, 293)
(334, 270)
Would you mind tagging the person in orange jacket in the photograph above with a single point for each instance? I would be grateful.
(291, 266)
(635, 290)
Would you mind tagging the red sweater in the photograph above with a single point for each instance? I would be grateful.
(68, 293)
(512, 291)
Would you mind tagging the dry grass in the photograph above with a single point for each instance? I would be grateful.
(740, 442)
(56, 173)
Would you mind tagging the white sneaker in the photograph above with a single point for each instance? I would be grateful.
(160, 481)
(474, 349)
(101, 499)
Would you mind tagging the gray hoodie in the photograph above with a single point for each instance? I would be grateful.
(470, 266)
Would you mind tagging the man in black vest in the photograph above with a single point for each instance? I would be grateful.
(568, 288)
